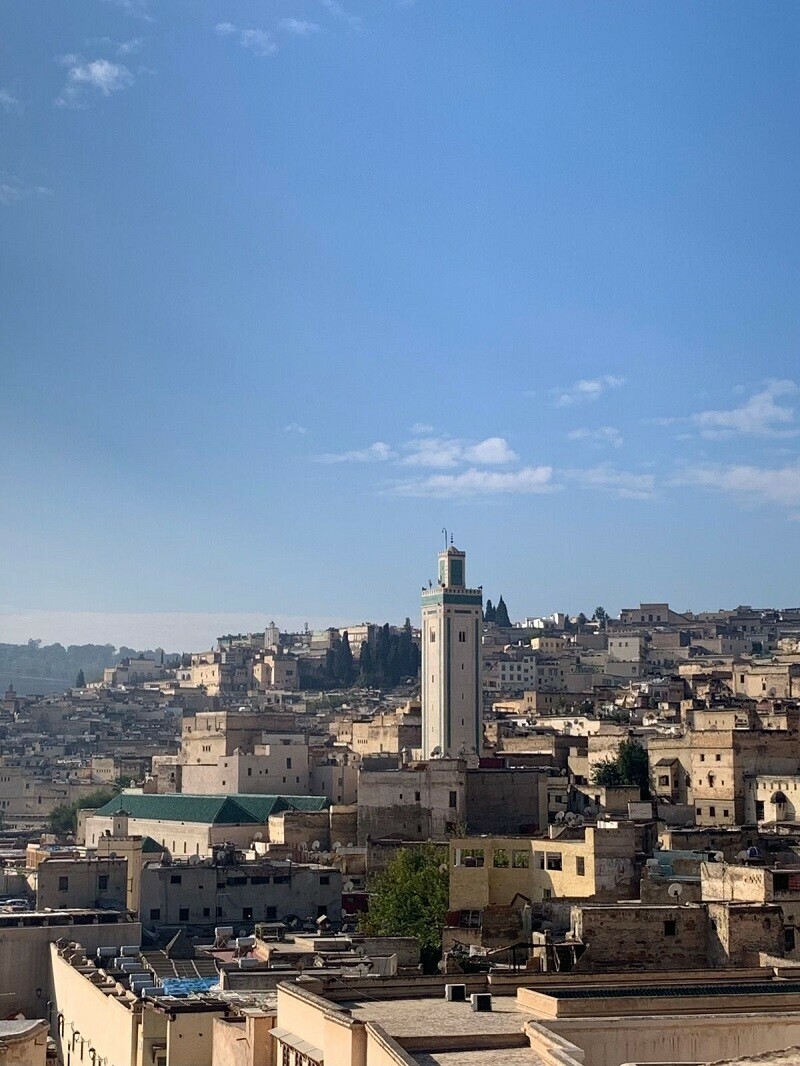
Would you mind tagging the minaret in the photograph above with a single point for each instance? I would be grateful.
(452, 623)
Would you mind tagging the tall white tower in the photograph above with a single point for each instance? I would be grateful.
(452, 624)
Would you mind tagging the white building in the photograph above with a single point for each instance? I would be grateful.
(452, 624)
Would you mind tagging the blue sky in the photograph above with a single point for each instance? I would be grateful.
(289, 285)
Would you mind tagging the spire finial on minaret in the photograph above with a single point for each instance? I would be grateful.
(444, 530)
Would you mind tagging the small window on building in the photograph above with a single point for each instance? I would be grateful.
(547, 893)
(63, 884)
(553, 860)
(247, 914)
(712, 812)
(520, 860)
(580, 866)
(433, 636)
(417, 797)
(698, 811)
(718, 757)
(155, 914)
(780, 882)
(249, 771)
(270, 913)
(102, 882)
(288, 764)
(183, 914)
(500, 858)
(470, 857)
(702, 758)
(663, 779)
(670, 928)
(206, 912)
(725, 812)
(453, 800)
(324, 879)
(462, 636)
(175, 879)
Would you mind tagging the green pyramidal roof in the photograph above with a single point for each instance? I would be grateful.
(238, 809)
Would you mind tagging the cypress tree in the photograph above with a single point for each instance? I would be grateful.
(501, 614)
(489, 612)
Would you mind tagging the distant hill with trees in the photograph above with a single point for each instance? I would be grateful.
(46, 668)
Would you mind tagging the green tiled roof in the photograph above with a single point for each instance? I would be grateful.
(213, 810)
(148, 845)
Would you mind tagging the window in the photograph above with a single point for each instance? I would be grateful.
(663, 779)
(247, 914)
(453, 799)
(183, 914)
(702, 758)
(462, 636)
(699, 811)
(670, 928)
(175, 879)
(547, 893)
(468, 857)
(206, 912)
(520, 860)
(155, 913)
(718, 757)
(102, 882)
(712, 812)
(580, 866)
(325, 879)
(249, 771)
(270, 913)
(780, 882)
(433, 636)
(724, 812)
(63, 884)
(288, 764)
(500, 858)
(553, 860)
(417, 797)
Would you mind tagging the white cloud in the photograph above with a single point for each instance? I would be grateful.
(295, 427)
(377, 452)
(9, 101)
(530, 479)
(12, 190)
(259, 42)
(777, 485)
(494, 451)
(127, 48)
(337, 11)
(99, 74)
(760, 416)
(134, 8)
(620, 483)
(585, 391)
(421, 429)
(300, 27)
(444, 452)
(604, 435)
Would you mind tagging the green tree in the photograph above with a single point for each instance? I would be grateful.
(489, 612)
(410, 898)
(365, 665)
(600, 615)
(63, 819)
(630, 767)
(501, 614)
(80, 680)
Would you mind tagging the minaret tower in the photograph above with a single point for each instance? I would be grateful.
(452, 624)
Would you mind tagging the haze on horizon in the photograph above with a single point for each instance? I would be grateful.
(291, 285)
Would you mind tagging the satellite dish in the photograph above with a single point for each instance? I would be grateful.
(675, 890)
(719, 856)
(315, 846)
(348, 886)
(258, 836)
(336, 845)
